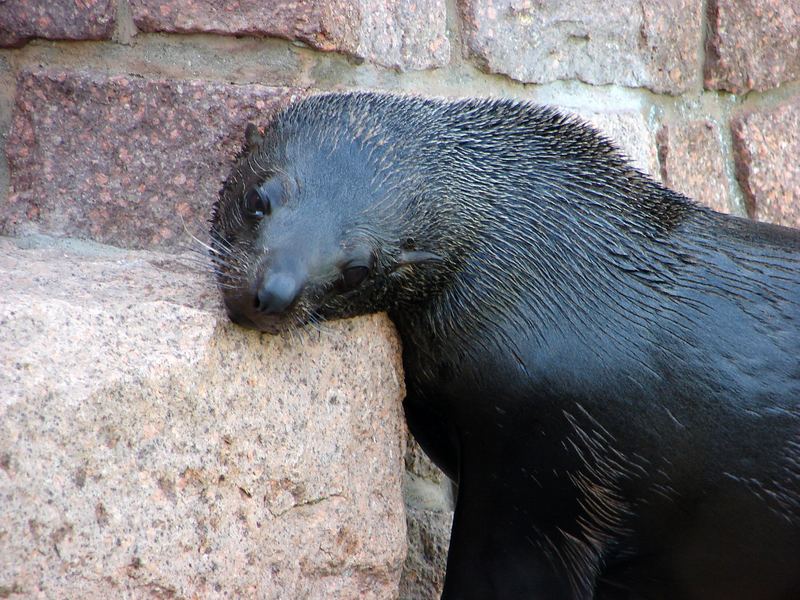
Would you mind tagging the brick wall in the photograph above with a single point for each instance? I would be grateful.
(118, 119)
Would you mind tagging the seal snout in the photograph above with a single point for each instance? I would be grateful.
(277, 293)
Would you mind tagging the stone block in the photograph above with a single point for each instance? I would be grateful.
(150, 448)
(429, 500)
(692, 164)
(418, 464)
(766, 144)
(403, 34)
(752, 44)
(21, 20)
(428, 541)
(647, 43)
(124, 160)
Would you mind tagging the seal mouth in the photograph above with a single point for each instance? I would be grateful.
(271, 324)
(242, 320)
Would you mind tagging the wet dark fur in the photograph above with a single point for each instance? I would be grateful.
(609, 371)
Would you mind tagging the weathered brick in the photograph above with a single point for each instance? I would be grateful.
(124, 160)
(692, 164)
(766, 145)
(752, 44)
(404, 34)
(428, 496)
(428, 542)
(21, 20)
(647, 43)
(418, 464)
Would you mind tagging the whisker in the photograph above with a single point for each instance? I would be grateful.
(194, 238)
(319, 324)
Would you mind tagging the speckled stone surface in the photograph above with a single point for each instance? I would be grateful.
(692, 164)
(21, 20)
(752, 44)
(149, 448)
(647, 43)
(766, 146)
(419, 465)
(428, 540)
(403, 34)
(124, 160)
(429, 501)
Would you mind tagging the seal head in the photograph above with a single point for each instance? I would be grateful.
(356, 246)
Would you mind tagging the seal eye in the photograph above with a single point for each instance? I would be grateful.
(351, 278)
(256, 203)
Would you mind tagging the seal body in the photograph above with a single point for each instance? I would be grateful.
(610, 372)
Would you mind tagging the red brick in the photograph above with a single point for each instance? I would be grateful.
(752, 44)
(766, 145)
(692, 164)
(21, 20)
(638, 43)
(124, 160)
(405, 34)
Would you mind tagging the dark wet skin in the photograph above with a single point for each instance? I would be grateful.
(610, 372)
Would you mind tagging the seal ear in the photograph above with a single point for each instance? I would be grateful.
(252, 137)
(415, 257)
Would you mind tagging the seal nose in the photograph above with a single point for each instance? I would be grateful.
(276, 293)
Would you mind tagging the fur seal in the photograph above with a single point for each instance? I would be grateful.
(609, 371)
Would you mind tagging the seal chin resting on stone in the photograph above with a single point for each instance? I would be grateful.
(610, 372)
